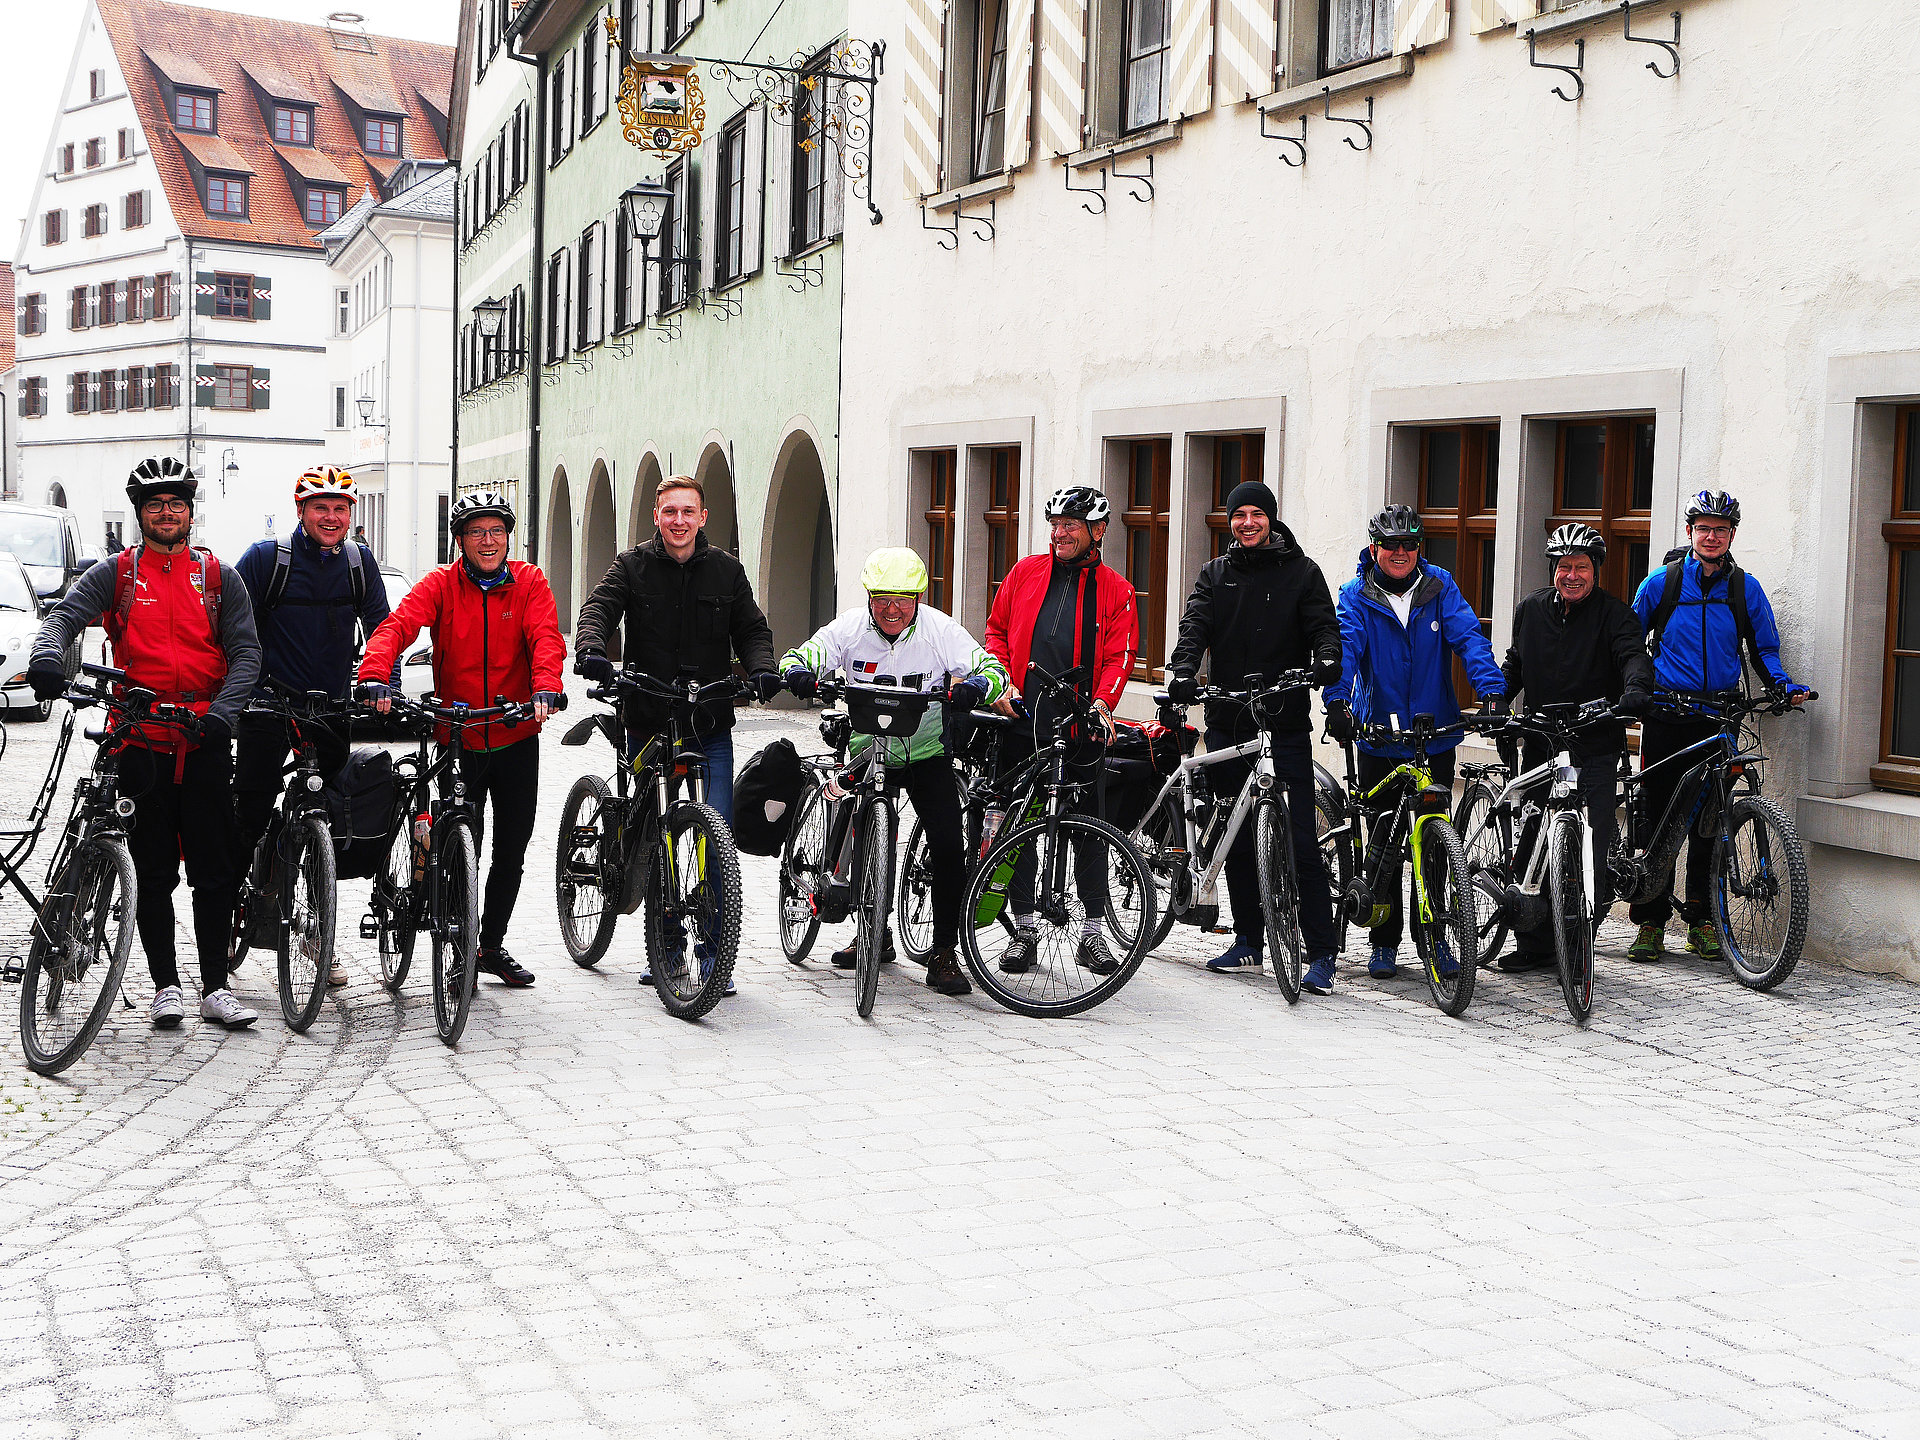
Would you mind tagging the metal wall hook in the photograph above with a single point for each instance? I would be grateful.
(1366, 125)
(1672, 47)
(947, 235)
(1145, 179)
(985, 224)
(1579, 64)
(1299, 140)
(1098, 192)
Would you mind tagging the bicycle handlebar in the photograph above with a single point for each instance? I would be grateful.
(1552, 721)
(638, 683)
(1286, 683)
(1730, 705)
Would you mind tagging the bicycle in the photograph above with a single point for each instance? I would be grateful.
(977, 763)
(291, 877)
(1409, 811)
(1529, 845)
(652, 836)
(1718, 798)
(1186, 834)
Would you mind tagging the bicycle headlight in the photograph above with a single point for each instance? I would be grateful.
(314, 782)
(123, 807)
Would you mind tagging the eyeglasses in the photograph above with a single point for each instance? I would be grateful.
(895, 603)
(166, 507)
(1716, 532)
(492, 532)
(1401, 545)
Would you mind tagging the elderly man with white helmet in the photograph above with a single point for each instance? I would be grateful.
(894, 638)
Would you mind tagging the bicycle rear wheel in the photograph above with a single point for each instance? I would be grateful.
(393, 908)
(81, 939)
(456, 934)
(1484, 840)
(1445, 937)
(305, 931)
(1280, 895)
(913, 921)
(1572, 914)
(693, 910)
(1336, 850)
(871, 905)
(580, 871)
(1166, 861)
(1759, 893)
(803, 859)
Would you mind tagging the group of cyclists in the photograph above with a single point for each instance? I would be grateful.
(309, 614)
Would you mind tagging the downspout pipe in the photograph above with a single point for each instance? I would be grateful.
(536, 295)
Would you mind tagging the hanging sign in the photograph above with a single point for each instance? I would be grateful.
(661, 107)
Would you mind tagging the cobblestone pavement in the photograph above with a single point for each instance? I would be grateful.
(1194, 1212)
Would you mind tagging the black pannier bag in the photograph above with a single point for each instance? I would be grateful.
(765, 796)
(1139, 761)
(360, 802)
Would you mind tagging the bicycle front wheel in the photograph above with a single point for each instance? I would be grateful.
(913, 922)
(1057, 966)
(81, 939)
(1336, 850)
(305, 929)
(1280, 895)
(1572, 914)
(693, 910)
(1483, 836)
(871, 906)
(1443, 931)
(1759, 893)
(456, 933)
(1160, 843)
(580, 870)
(393, 907)
(803, 859)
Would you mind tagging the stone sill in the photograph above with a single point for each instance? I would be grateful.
(1653, 14)
(1297, 99)
(984, 189)
(1876, 821)
(1163, 134)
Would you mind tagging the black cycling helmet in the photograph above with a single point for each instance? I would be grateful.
(1396, 522)
(1714, 503)
(476, 503)
(1078, 502)
(161, 475)
(1578, 539)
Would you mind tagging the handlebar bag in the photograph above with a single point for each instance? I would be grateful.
(360, 802)
(765, 795)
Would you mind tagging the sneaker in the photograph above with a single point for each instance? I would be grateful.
(846, 960)
(169, 1008)
(498, 963)
(1242, 956)
(1443, 960)
(1385, 962)
(1095, 956)
(337, 975)
(221, 1008)
(1521, 961)
(1021, 953)
(703, 952)
(944, 973)
(1649, 945)
(1319, 977)
(1704, 941)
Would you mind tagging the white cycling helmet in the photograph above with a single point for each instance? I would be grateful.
(1078, 502)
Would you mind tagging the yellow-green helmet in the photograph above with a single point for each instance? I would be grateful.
(894, 571)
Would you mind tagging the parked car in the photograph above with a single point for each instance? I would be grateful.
(47, 541)
(416, 665)
(20, 616)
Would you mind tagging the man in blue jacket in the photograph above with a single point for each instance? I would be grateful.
(1402, 621)
(1693, 611)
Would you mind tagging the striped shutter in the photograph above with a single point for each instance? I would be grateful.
(705, 190)
(925, 71)
(203, 386)
(1243, 42)
(262, 388)
(1020, 28)
(1192, 58)
(1063, 43)
(204, 290)
(754, 199)
(1418, 24)
(1492, 14)
(262, 298)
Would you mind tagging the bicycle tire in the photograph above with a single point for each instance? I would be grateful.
(872, 908)
(1280, 895)
(1568, 885)
(393, 904)
(1487, 865)
(700, 842)
(1443, 863)
(308, 895)
(1329, 812)
(242, 939)
(1167, 865)
(456, 933)
(580, 873)
(803, 857)
(913, 898)
(1776, 841)
(1055, 986)
(100, 878)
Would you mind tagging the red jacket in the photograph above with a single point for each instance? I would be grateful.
(503, 641)
(1116, 628)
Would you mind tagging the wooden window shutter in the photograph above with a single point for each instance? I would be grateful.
(1243, 44)
(1192, 92)
(204, 290)
(1485, 15)
(262, 389)
(1062, 75)
(754, 200)
(705, 188)
(834, 196)
(779, 210)
(1418, 24)
(925, 71)
(262, 298)
(203, 386)
(1021, 21)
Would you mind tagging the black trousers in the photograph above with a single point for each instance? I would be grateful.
(1372, 769)
(191, 817)
(509, 779)
(935, 793)
(1089, 861)
(1599, 783)
(261, 744)
(1658, 740)
(1293, 763)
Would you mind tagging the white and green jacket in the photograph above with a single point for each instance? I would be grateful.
(924, 656)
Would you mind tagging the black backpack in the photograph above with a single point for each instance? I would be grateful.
(765, 795)
(1676, 560)
(358, 557)
(360, 802)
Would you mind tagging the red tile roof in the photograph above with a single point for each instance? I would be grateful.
(8, 317)
(152, 37)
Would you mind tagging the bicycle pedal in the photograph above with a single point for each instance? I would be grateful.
(369, 926)
(13, 971)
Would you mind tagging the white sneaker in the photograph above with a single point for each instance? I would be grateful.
(168, 1008)
(221, 1008)
(337, 975)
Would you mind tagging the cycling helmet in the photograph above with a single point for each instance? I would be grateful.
(1078, 502)
(1714, 503)
(1396, 522)
(476, 503)
(1577, 539)
(324, 480)
(161, 475)
(894, 571)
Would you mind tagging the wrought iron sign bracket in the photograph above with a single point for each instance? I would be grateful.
(1097, 205)
(948, 236)
(1364, 126)
(1299, 140)
(985, 222)
(1672, 47)
(1579, 64)
(1144, 177)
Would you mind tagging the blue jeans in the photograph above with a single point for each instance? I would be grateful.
(719, 752)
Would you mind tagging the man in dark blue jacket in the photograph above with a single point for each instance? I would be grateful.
(309, 590)
(1698, 649)
(1402, 622)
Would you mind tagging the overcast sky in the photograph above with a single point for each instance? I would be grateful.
(40, 40)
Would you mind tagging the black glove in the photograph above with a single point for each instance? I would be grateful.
(765, 685)
(802, 682)
(1326, 670)
(552, 699)
(594, 666)
(1634, 704)
(1183, 689)
(48, 679)
(1498, 706)
(215, 732)
(970, 694)
(371, 693)
(1340, 722)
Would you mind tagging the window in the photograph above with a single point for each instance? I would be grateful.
(679, 18)
(93, 220)
(629, 276)
(1900, 707)
(33, 395)
(590, 44)
(440, 543)
(383, 136)
(1236, 458)
(323, 205)
(53, 227)
(1143, 69)
(233, 296)
(1149, 478)
(193, 111)
(339, 407)
(79, 308)
(989, 87)
(293, 124)
(96, 84)
(676, 239)
(1002, 514)
(126, 144)
(166, 298)
(133, 210)
(942, 503)
(166, 386)
(589, 286)
(139, 387)
(731, 202)
(522, 134)
(112, 383)
(1604, 476)
(226, 195)
(66, 159)
(813, 162)
(1354, 32)
(342, 311)
(96, 152)
(1459, 503)
(633, 39)
(113, 302)
(232, 387)
(557, 295)
(79, 393)
(33, 314)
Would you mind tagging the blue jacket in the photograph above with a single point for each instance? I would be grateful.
(1700, 648)
(1390, 673)
(307, 640)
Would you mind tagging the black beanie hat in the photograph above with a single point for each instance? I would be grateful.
(1253, 492)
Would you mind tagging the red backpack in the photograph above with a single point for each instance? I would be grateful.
(127, 565)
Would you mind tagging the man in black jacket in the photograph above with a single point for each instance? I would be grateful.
(1572, 643)
(1261, 608)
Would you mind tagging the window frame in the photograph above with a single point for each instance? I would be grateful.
(231, 184)
(809, 219)
(324, 192)
(96, 84)
(193, 99)
(223, 382)
(676, 238)
(133, 210)
(1000, 515)
(1901, 533)
(223, 285)
(1130, 60)
(127, 142)
(93, 221)
(53, 227)
(1470, 523)
(730, 204)
(33, 313)
(986, 49)
(292, 112)
(96, 153)
(942, 518)
(67, 156)
(1323, 56)
(368, 124)
(1153, 520)
(1250, 443)
(1620, 522)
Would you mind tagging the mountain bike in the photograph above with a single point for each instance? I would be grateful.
(1408, 811)
(976, 761)
(289, 891)
(652, 837)
(1758, 891)
(1188, 831)
(1529, 845)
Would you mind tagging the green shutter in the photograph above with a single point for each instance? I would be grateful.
(262, 391)
(203, 386)
(262, 302)
(203, 292)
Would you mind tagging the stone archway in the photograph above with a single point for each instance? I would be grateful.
(646, 483)
(716, 477)
(598, 537)
(57, 495)
(797, 587)
(559, 560)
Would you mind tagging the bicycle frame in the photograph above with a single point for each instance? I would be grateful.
(1205, 882)
(1414, 780)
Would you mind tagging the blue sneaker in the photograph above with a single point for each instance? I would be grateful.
(703, 952)
(1385, 963)
(1242, 956)
(1443, 960)
(1319, 977)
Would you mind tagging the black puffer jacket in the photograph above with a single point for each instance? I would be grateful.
(682, 619)
(1595, 651)
(1259, 612)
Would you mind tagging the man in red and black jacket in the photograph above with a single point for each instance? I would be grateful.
(496, 632)
(1056, 612)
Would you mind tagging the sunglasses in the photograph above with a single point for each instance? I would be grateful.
(892, 602)
(1400, 545)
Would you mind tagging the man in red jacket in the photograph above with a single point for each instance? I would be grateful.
(1055, 612)
(495, 632)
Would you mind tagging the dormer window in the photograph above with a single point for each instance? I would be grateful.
(324, 205)
(293, 124)
(383, 136)
(227, 195)
(193, 111)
